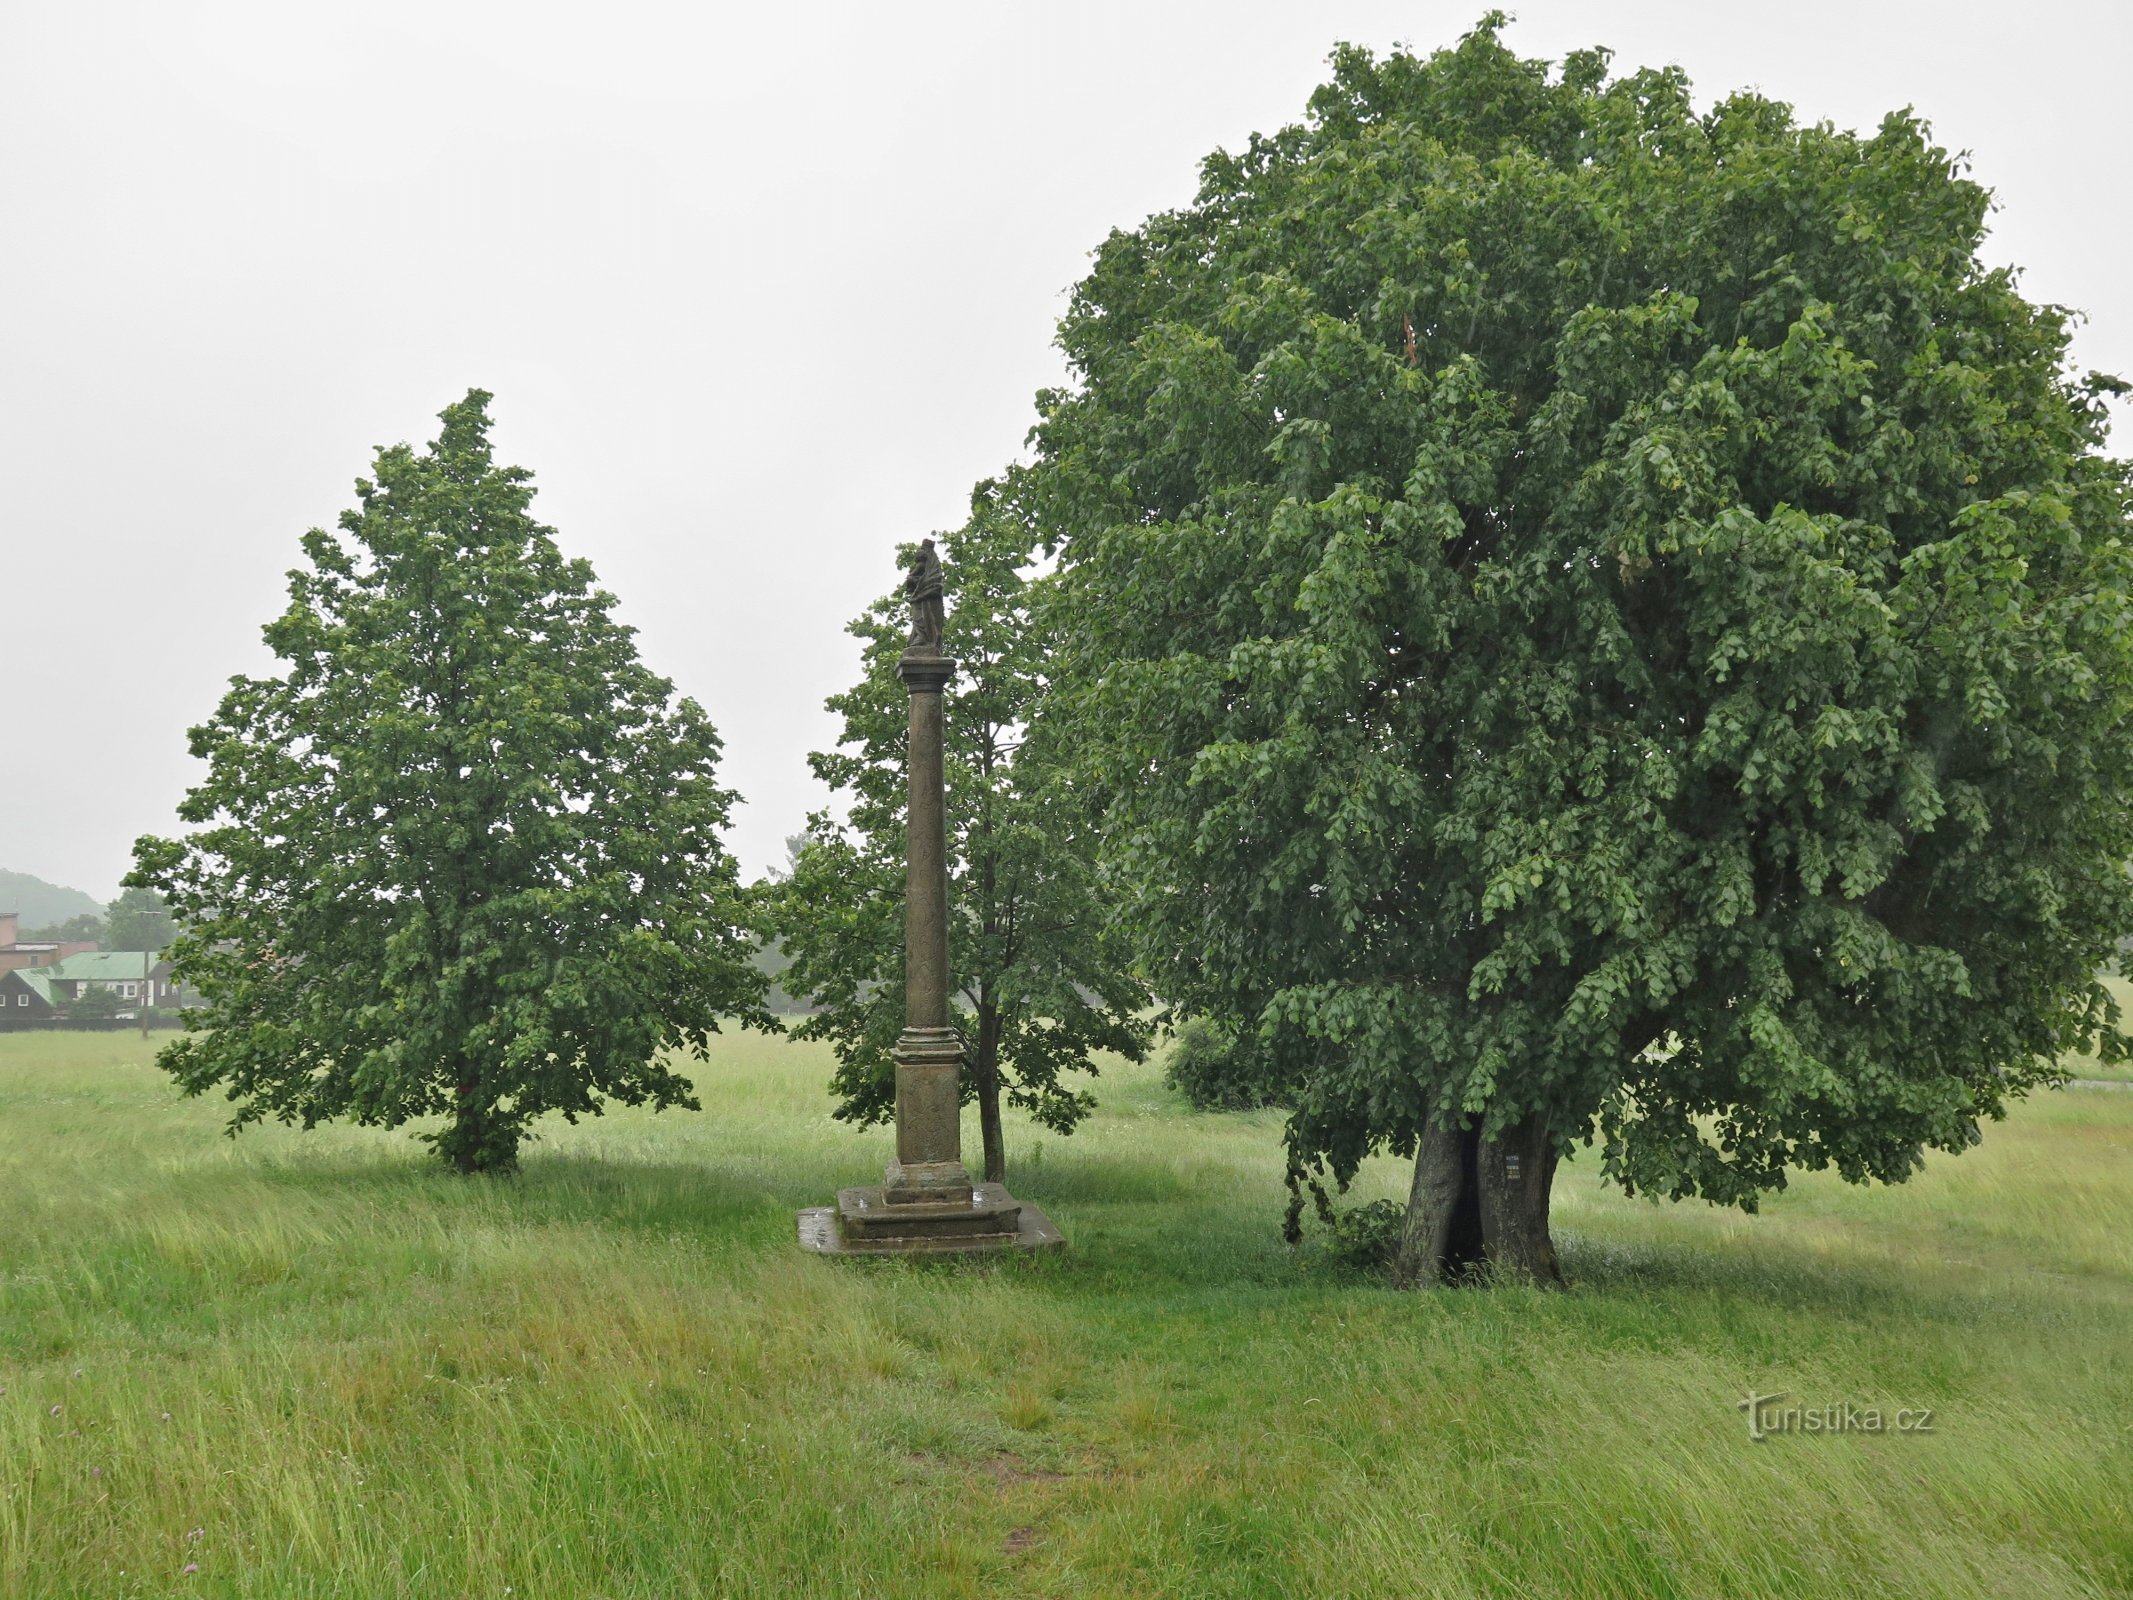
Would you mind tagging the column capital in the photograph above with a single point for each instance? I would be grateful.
(925, 674)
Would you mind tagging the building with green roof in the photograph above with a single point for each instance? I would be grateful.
(139, 980)
(26, 997)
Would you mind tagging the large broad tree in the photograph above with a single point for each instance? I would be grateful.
(138, 920)
(1038, 979)
(461, 856)
(1598, 620)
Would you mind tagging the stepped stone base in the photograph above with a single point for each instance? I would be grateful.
(864, 1222)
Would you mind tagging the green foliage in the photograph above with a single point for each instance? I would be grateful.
(87, 928)
(97, 1002)
(1362, 1238)
(1585, 610)
(462, 856)
(1216, 1070)
(139, 920)
(1041, 986)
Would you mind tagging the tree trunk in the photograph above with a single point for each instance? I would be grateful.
(987, 1072)
(1442, 1240)
(461, 1143)
(477, 1139)
(1516, 1177)
(1476, 1203)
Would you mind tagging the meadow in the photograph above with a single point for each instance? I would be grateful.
(317, 1365)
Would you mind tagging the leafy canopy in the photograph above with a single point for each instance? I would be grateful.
(1586, 608)
(461, 856)
(138, 920)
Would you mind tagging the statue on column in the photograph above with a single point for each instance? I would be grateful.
(928, 613)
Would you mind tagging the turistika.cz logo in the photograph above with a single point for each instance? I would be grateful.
(1768, 1414)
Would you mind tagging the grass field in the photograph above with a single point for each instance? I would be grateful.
(311, 1365)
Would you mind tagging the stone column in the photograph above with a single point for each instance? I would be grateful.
(928, 1168)
(926, 1203)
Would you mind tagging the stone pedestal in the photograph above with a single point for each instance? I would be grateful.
(928, 1168)
(864, 1223)
(926, 1203)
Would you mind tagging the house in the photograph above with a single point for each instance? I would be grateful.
(15, 955)
(26, 999)
(138, 980)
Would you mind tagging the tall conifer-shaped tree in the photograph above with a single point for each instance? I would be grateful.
(461, 857)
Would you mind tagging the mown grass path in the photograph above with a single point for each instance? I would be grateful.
(310, 1365)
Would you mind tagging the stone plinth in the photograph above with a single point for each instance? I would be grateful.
(928, 1168)
(863, 1222)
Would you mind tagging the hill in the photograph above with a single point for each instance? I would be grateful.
(42, 904)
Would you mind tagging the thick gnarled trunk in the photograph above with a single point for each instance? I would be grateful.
(1479, 1202)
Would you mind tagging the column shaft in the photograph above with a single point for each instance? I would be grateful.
(929, 1057)
(926, 870)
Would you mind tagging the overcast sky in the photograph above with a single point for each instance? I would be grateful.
(760, 291)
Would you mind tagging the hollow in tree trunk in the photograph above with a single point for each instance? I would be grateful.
(1477, 1202)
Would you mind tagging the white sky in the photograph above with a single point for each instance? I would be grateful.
(760, 291)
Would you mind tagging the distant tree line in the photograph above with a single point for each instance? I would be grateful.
(139, 919)
(88, 927)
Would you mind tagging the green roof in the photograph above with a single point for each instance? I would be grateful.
(39, 982)
(103, 966)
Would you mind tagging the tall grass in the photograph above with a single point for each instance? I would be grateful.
(318, 1365)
